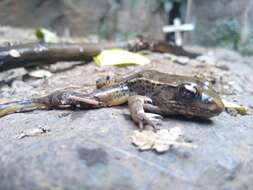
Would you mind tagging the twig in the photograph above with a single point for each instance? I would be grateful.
(36, 54)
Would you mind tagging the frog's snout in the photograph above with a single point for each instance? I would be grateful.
(214, 105)
(219, 106)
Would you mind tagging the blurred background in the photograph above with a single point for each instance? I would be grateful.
(224, 23)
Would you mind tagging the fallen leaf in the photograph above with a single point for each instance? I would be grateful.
(160, 141)
(46, 35)
(143, 140)
(32, 132)
(120, 57)
(239, 108)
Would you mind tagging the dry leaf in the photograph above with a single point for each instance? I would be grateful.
(143, 140)
(32, 132)
(161, 141)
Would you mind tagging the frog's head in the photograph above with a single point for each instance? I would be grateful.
(199, 99)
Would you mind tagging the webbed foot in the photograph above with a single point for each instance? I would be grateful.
(136, 106)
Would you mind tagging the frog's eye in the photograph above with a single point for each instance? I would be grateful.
(188, 91)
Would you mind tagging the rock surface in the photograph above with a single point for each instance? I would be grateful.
(104, 17)
(91, 149)
(117, 18)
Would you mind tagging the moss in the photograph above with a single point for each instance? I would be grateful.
(223, 33)
(103, 31)
(247, 47)
(126, 35)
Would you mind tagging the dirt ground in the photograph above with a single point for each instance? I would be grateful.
(91, 149)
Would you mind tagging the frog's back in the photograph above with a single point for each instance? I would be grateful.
(161, 77)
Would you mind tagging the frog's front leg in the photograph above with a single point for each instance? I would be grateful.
(136, 106)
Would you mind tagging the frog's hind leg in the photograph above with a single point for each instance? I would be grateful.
(136, 106)
(60, 99)
(19, 106)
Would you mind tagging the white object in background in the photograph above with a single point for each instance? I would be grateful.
(178, 28)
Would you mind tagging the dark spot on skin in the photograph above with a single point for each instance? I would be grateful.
(93, 157)
(107, 77)
(146, 82)
(213, 82)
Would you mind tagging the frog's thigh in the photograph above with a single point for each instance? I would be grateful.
(61, 98)
(85, 102)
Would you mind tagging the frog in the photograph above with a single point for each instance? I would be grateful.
(150, 95)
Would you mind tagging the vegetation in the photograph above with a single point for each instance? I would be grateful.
(224, 33)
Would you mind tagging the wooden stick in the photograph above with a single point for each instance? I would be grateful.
(31, 54)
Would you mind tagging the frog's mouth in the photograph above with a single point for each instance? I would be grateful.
(204, 109)
(209, 105)
(197, 108)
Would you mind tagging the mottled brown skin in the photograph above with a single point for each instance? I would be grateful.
(146, 91)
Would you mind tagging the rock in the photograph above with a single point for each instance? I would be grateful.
(206, 14)
(109, 18)
(40, 73)
(9, 76)
(91, 149)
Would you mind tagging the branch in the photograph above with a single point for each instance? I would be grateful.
(35, 54)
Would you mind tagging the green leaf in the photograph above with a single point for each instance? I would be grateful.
(46, 35)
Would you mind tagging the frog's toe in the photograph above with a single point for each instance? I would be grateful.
(138, 114)
(156, 120)
(154, 117)
(146, 120)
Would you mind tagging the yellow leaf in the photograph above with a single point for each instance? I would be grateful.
(120, 57)
(240, 109)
